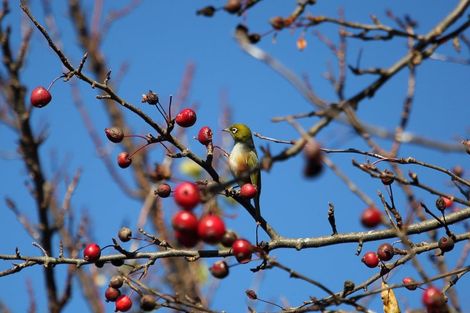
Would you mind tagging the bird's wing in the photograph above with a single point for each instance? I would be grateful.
(252, 162)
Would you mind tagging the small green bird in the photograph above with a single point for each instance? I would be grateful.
(243, 160)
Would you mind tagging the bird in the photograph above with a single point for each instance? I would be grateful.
(243, 160)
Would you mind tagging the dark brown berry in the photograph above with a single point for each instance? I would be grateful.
(206, 11)
(385, 252)
(277, 23)
(254, 38)
(117, 262)
(387, 177)
(228, 238)
(446, 244)
(163, 190)
(114, 134)
(150, 98)
(233, 6)
(125, 234)
(250, 293)
(148, 303)
(116, 281)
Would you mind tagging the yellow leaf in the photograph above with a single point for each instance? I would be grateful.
(389, 300)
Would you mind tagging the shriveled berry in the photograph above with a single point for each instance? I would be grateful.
(433, 298)
(116, 281)
(124, 160)
(111, 294)
(187, 195)
(211, 229)
(125, 234)
(219, 269)
(242, 250)
(150, 98)
(187, 240)
(186, 118)
(123, 303)
(371, 217)
(409, 283)
(250, 293)
(254, 38)
(114, 134)
(387, 177)
(248, 191)
(443, 203)
(385, 252)
(228, 238)
(313, 159)
(205, 135)
(446, 244)
(207, 11)
(92, 252)
(40, 97)
(163, 190)
(185, 221)
(277, 23)
(370, 259)
(233, 6)
(147, 303)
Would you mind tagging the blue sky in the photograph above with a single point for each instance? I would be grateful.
(158, 40)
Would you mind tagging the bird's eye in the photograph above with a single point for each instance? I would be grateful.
(234, 130)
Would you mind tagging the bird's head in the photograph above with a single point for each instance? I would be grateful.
(239, 132)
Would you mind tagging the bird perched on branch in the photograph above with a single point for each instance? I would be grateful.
(243, 160)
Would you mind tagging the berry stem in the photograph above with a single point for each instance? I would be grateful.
(140, 148)
(55, 79)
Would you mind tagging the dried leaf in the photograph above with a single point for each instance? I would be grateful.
(389, 300)
(456, 44)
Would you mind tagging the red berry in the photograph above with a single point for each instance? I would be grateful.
(248, 191)
(371, 217)
(242, 250)
(432, 298)
(163, 190)
(114, 134)
(123, 303)
(370, 259)
(40, 97)
(186, 118)
(409, 283)
(184, 221)
(211, 229)
(385, 252)
(448, 202)
(219, 269)
(111, 294)
(205, 135)
(124, 160)
(187, 195)
(92, 252)
(186, 239)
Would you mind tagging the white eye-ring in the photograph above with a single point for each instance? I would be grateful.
(234, 130)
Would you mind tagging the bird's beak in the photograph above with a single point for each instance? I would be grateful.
(226, 130)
